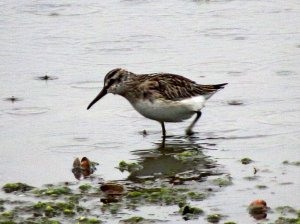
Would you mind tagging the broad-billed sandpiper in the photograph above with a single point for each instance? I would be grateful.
(162, 97)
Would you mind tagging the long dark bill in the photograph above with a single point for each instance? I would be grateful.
(98, 97)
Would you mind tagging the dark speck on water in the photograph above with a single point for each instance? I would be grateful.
(46, 77)
(54, 14)
(13, 99)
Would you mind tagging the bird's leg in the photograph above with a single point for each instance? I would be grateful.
(189, 131)
(163, 129)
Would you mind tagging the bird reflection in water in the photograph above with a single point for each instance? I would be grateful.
(177, 159)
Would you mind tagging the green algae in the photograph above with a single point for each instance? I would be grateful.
(187, 209)
(186, 155)
(53, 191)
(189, 212)
(52, 209)
(7, 217)
(162, 195)
(246, 161)
(13, 187)
(222, 182)
(251, 178)
(113, 208)
(85, 220)
(230, 222)
(214, 218)
(294, 163)
(130, 167)
(197, 196)
(132, 220)
(85, 187)
(286, 209)
(7, 214)
(286, 220)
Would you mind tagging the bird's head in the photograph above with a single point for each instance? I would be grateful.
(112, 84)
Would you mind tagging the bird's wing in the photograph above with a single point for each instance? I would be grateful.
(174, 87)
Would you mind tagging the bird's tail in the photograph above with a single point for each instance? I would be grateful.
(218, 86)
(212, 89)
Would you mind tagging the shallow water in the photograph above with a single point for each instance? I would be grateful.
(253, 45)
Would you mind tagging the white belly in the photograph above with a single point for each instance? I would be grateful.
(169, 111)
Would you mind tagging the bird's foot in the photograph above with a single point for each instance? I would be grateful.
(189, 132)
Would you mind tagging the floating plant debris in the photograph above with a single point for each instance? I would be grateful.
(112, 189)
(13, 99)
(12, 187)
(284, 210)
(83, 167)
(190, 212)
(214, 218)
(132, 220)
(235, 102)
(53, 191)
(222, 182)
(85, 220)
(85, 187)
(261, 187)
(130, 167)
(246, 161)
(295, 163)
(286, 220)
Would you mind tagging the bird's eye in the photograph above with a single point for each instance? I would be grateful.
(110, 82)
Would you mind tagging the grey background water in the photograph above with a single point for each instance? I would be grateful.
(253, 45)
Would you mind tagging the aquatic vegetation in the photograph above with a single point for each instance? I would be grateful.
(53, 191)
(222, 182)
(132, 220)
(113, 208)
(261, 187)
(163, 195)
(187, 209)
(230, 222)
(52, 209)
(246, 161)
(130, 167)
(12, 187)
(294, 163)
(285, 220)
(85, 220)
(286, 209)
(186, 155)
(214, 218)
(85, 187)
(112, 188)
(7, 214)
(197, 196)
(189, 212)
(251, 178)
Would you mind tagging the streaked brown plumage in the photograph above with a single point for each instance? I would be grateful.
(159, 96)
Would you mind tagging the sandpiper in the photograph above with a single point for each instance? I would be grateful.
(162, 97)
